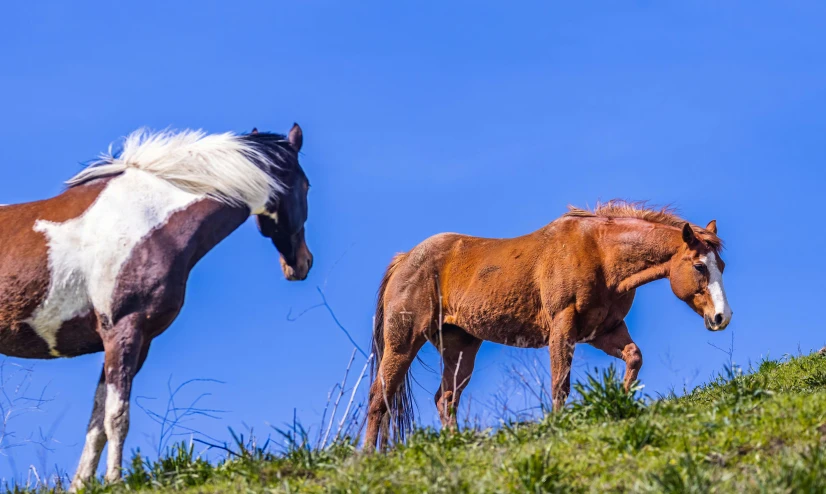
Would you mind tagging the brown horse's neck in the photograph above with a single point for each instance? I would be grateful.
(637, 254)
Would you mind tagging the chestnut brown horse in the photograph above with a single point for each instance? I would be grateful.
(572, 281)
(104, 265)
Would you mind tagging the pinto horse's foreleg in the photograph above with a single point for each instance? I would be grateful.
(458, 356)
(618, 343)
(96, 434)
(562, 341)
(125, 349)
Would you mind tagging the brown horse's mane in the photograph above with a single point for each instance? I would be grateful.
(666, 215)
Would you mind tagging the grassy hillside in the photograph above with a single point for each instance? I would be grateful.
(759, 432)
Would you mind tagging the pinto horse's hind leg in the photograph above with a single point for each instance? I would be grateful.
(618, 343)
(458, 349)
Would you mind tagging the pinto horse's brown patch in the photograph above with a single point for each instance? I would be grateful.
(24, 274)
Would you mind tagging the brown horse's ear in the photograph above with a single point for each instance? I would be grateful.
(254, 130)
(296, 137)
(712, 226)
(688, 234)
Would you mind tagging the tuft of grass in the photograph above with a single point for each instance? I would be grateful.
(603, 397)
(639, 433)
(537, 472)
(805, 472)
(683, 476)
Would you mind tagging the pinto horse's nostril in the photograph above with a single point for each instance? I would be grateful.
(718, 319)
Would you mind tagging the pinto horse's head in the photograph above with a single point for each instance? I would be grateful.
(284, 216)
(697, 276)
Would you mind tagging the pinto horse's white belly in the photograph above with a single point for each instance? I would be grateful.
(86, 253)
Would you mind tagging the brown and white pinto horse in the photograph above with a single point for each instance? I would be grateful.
(104, 265)
(572, 281)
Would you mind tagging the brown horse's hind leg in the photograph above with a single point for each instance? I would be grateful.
(383, 393)
(458, 349)
(618, 343)
(403, 336)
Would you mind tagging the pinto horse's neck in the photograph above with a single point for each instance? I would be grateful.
(638, 253)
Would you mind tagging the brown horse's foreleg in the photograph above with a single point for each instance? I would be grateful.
(562, 342)
(618, 343)
(458, 356)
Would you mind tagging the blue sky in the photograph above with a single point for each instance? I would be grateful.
(486, 119)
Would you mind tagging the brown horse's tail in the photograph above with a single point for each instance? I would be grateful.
(400, 403)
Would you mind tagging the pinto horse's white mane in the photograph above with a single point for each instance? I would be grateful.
(226, 166)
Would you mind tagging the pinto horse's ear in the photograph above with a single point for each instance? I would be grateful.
(296, 137)
(712, 226)
(254, 130)
(688, 234)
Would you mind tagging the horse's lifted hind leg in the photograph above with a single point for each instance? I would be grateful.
(96, 435)
(618, 343)
(458, 349)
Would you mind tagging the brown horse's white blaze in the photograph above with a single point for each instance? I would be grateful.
(104, 265)
(571, 282)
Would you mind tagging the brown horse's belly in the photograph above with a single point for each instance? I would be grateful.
(508, 331)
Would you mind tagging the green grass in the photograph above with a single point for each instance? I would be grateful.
(757, 432)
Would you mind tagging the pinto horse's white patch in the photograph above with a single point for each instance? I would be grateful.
(86, 253)
(716, 289)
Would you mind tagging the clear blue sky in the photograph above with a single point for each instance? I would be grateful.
(422, 117)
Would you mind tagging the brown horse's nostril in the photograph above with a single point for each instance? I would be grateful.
(718, 319)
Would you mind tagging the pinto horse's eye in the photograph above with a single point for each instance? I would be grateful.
(701, 268)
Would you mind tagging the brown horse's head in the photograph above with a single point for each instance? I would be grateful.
(283, 217)
(697, 276)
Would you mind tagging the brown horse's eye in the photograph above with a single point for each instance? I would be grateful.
(701, 268)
